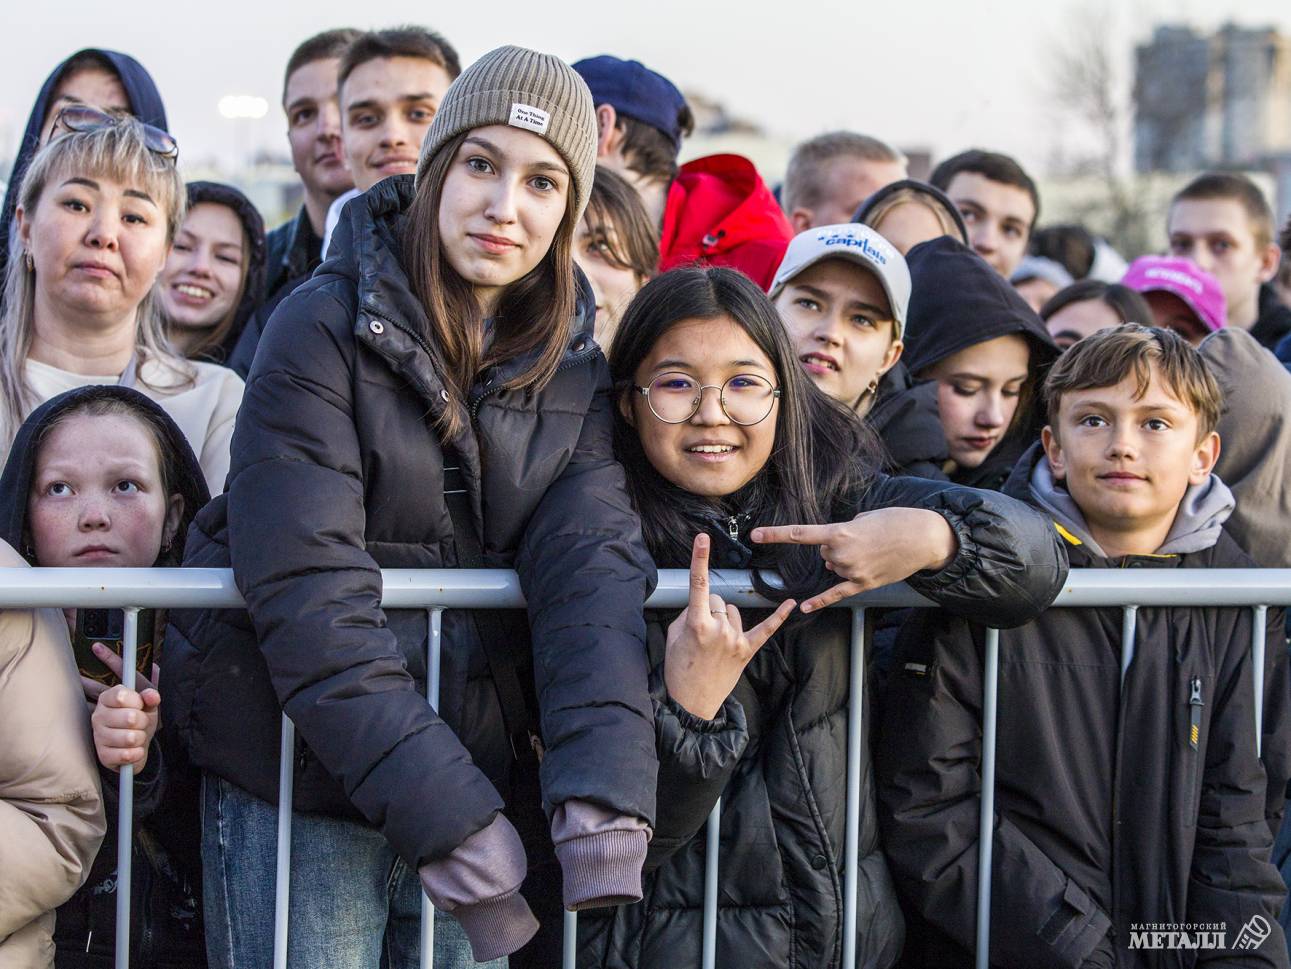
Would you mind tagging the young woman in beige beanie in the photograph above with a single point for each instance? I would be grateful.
(432, 398)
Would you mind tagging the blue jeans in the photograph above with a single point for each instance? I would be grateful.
(354, 903)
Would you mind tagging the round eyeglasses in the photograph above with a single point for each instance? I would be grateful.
(745, 399)
(82, 117)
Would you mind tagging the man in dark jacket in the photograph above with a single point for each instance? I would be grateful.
(1132, 785)
(295, 248)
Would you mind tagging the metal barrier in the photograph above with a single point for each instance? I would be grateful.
(437, 590)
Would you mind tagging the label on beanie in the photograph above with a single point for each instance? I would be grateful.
(531, 118)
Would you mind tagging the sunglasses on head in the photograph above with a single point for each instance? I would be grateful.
(82, 117)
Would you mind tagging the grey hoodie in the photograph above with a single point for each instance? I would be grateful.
(1197, 524)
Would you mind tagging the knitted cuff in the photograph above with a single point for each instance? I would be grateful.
(603, 868)
(497, 927)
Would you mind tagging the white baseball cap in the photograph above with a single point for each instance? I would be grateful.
(863, 246)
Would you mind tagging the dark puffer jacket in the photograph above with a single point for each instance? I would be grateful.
(337, 472)
(1110, 811)
(777, 756)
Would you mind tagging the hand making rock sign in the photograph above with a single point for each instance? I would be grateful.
(707, 646)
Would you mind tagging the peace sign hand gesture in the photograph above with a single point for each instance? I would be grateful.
(707, 647)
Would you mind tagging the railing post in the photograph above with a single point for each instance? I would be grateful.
(855, 747)
(1129, 623)
(569, 952)
(1257, 673)
(713, 834)
(125, 801)
(434, 654)
(282, 876)
(986, 824)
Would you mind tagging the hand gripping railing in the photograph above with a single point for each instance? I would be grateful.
(437, 590)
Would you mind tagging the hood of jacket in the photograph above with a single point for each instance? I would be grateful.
(253, 293)
(1255, 437)
(907, 420)
(145, 104)
(721, 212)
(1197, 525)
(15, 482)
(933, 194)
(367, 248)
(957, 300)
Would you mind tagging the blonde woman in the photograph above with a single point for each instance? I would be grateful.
(97, 212)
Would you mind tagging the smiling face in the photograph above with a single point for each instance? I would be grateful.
(841, 324)
(1128, 462)
(613, 284)
(386, 106)
(203, 277)
(95, 86)
(503, 200)
(977, 395)
(314, 128)
(97, 245)
(998, 216)
(708, 455)
(97, 497)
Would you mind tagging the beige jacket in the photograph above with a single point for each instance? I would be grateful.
(51, 806)
(1255, 443)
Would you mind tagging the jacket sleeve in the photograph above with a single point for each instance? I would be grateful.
(696, 760)
(1276, 745)
(585, 573)
(296, 534)
(930, 804)
(1232, 877)
(1010, 564)
(51, 810)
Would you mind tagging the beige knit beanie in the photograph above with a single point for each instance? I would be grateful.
(531, 91)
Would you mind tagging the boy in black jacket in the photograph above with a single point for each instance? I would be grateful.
(1125, 800)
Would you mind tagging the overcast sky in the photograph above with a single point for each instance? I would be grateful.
(938, 73)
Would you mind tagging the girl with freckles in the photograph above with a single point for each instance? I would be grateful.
(735, 459)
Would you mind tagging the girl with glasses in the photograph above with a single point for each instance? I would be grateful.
(736, 460)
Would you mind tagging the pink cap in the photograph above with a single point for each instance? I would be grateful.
(1185, 279)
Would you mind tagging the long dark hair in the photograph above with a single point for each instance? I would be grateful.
(822, 458)
(535, 315)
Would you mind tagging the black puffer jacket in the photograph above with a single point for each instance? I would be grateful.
(167, 864)
(777, 755)
(1107, 813)
(337, 472)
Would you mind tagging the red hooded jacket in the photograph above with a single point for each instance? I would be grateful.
(721, 213)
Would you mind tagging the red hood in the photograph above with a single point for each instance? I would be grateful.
(721, 213)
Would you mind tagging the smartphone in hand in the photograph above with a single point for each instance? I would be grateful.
(107, 626)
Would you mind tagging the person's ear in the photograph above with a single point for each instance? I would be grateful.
(891, 357)
(1270, 259)
(801, 219)
(606, 119)
(24, 227)
(625, 407)
(1204, 458)
(174, 514)
(1053, 451)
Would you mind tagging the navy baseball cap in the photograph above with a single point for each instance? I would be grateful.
(635, 91)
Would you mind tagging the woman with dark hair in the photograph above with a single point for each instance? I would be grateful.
(430, 398)
(1090, 305)
(213, 279)
(616, 247)
(103, 79)
(735, 459)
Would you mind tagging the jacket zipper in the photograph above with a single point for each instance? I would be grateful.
(1194, 720)
(733, 527)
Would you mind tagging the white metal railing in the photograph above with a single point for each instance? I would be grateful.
(440, 589)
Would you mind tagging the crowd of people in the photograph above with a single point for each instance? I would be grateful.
(508, 329)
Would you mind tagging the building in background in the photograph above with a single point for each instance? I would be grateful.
(1211, 101)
